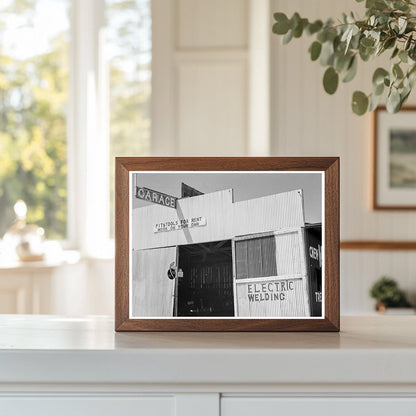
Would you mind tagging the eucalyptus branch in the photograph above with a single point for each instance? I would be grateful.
(388, 25)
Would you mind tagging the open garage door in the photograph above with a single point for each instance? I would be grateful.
(153, 285)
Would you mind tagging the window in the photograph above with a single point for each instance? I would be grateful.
(256, 257)
(33, 99)
(75, 87)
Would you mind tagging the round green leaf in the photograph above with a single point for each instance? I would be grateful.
(366, 53)
(374, 102)
(367, 42)
(327, 54)
(379, 75)
(351, 71)
(315, 50)
(298, 30)
(389, 43)
(288, 37)
(330, 80)
(322, 36)
(341, 61)
(403, 56)
(393, 101)
(397, 71)
(314, 27)
(376, 4)
(395, 52)
(281, 27)
(359, 103)
(294, 20)
(378, 90)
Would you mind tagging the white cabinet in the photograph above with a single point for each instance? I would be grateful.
(88, 406)
(323, 406)
(80, 366)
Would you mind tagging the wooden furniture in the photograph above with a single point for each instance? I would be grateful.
(68, 366)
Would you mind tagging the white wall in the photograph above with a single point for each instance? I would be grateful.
(307, 122)
(200, 77)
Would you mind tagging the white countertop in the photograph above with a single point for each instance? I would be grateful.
(53, 349)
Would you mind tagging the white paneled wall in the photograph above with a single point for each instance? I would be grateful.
(305, 121)
(201, 82)
(212, 103)
(212, 24)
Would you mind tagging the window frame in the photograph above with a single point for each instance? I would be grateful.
(87, 133)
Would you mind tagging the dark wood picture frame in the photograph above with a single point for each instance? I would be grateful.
(376, 205)
(328, 165)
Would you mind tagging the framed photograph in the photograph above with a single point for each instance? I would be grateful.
(227, 244)
(394, 179)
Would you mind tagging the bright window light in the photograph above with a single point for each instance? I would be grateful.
(33, 103)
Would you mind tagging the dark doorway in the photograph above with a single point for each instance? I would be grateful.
(313, 240)
(205, 285)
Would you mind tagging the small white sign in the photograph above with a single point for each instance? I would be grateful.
(180, 224)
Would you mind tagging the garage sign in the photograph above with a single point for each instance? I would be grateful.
(156, 197)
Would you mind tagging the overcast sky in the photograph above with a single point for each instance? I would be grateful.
(245, 186)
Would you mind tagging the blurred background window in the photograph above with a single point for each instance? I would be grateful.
(35, 95)
(33, 100)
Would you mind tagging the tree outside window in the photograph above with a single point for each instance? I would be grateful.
(34, 93)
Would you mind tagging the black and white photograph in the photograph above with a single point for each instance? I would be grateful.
(226, 244)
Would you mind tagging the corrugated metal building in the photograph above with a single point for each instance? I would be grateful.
(212, 256)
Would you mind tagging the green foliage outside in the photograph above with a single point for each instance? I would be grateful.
(389, 27)
(33, 109)
(33, 97)
(387, 292)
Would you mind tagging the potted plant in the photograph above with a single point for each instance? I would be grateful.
(387, 294)
(389, 27)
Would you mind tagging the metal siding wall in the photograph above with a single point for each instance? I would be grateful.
(216, 207)
(292, 306)
(225, 219)
(273, 212)
(152, 289)
(288, 256)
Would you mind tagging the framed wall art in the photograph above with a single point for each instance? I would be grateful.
(227, 244)
(394, 159)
